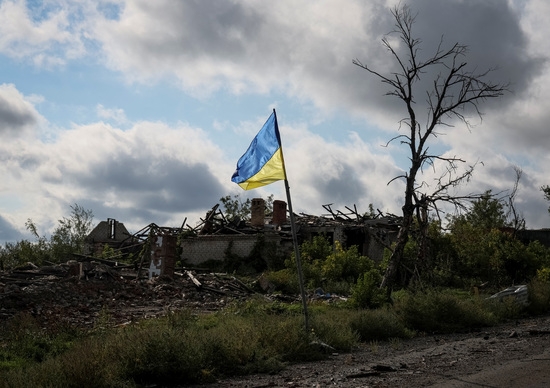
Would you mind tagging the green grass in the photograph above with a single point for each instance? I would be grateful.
(255, 336)
(443, 311)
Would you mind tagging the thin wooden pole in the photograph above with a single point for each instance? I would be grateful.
(294, 234)
(297, 254)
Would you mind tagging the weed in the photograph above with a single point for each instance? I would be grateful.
(373, 346)
(395, 343)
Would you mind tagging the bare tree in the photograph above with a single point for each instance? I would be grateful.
(546, 191)
(514, 217)
(454, 92)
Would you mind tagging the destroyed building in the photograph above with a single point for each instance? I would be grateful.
(111, 233)
(158, 249)
(370, 234)
(216, 238)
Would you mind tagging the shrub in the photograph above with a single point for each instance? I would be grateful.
(539, 296)
(442, 311)
(334, 270)
(381, 324)
(366, 293)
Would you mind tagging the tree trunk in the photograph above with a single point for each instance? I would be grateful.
(403, 235)
(397, 254)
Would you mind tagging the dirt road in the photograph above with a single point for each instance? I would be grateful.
(513, 355)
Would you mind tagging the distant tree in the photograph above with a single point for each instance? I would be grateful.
(486, 213)
(454, 91)
(486, 251)
(514, 217)
(546, 191)
(235, 207)
(67, 238)
(70, 234)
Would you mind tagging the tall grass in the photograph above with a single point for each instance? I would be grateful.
(248, 337)
(443, 311)
(185, 349)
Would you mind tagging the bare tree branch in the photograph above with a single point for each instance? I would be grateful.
(455, 93)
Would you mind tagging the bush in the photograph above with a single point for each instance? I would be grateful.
(436, 311)
(539, 296)
(345, 264)
(366, 293)
(334, 270)
(285, 281)
(382, 324)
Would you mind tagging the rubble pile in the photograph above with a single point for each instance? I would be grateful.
(80, 293)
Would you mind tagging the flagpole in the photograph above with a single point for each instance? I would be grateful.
(297, 254)
(294, 238)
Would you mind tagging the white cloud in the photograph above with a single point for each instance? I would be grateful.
(115, 114)
(49, 34)
(301, 49)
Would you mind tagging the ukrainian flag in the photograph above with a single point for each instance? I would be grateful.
(263, 163)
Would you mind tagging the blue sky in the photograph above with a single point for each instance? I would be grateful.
(139, 110)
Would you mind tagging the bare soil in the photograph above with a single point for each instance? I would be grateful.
(515, 354)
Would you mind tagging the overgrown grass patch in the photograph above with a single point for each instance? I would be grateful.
(378, 325)
(539, 297)
(23, 341)
(443, 311)
(186, 349)
(257, 335)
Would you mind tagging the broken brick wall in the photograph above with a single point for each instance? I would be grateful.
(202, 248)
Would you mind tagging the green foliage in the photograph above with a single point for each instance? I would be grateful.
(543, 274)
(25, 342)
(285, 281)
(312, 254)
(70, 234)
(506, 308)
(184, 349)
(486, 213)
(235, 207)
(107, 252)
(495, 256)
(345, 264)
(367, 293)
(22, 252)
(483, 251)
(539, 294)
(253, 336)
(442, 311)
(333, 269)
(68, 237)
(379, 325)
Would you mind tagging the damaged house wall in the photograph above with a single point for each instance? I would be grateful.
(203, 248)
(163, 255)
(215, 242)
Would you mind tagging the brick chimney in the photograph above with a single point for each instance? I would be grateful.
(257, 210)
(279, 212)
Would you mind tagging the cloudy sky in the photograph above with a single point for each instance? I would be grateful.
(138, 110)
